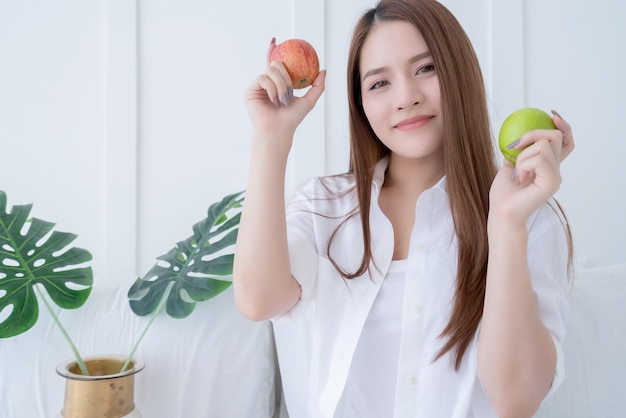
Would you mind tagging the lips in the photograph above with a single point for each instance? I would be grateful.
(414, 122)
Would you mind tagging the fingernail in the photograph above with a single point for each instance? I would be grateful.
(514, 173)
(290, 91)
(286, 99)
(554, 112)
(513, 144)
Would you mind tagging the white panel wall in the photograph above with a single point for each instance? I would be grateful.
(122, 120)
(121, 189)
(195, 61)
(53, 113)
(570, 57)
(575, 57)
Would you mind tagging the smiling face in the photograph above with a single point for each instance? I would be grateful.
(400, 91)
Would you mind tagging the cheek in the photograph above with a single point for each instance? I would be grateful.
(374, 111)
(434, 91)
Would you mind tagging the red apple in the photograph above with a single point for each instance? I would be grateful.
(300, 60)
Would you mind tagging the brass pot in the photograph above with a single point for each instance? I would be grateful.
(105, 393)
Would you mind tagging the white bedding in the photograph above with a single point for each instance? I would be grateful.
(214, 363)
(595, 348)
(217, 364)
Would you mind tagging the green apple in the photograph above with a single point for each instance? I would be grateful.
(517, 124)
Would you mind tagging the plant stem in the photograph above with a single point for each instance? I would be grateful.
(145, 330)
(79, 359)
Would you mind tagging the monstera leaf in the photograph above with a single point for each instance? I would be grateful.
(197, 269)
(31, 253)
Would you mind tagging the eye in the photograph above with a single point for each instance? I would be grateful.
(378, 84)
(424, 69)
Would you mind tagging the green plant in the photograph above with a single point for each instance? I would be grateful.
(34, 256)
(195, 270)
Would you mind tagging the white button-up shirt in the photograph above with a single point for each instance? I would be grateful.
(316, 339)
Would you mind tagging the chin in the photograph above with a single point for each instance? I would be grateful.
(418, 152)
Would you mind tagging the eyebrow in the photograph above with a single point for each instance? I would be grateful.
(379, 70)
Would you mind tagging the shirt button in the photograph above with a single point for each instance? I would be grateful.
(419, 247)
(429, 197)
(417, 308)
(410, 380)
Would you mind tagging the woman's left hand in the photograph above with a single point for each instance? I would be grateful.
(518, 190)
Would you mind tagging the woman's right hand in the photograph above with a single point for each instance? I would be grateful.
(263, 284)
(270, 102)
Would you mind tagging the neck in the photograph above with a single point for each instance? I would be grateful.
(413, 175)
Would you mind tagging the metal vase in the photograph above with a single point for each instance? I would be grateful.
(105, 393)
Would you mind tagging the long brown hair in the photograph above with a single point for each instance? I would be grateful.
(469, 158)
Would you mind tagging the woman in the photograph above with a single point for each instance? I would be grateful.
(425, 282)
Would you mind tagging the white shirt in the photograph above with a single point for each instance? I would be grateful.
(371, 384)
(316, 340)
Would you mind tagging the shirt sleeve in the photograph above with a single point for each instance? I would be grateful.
(548, 265)
(303, 254)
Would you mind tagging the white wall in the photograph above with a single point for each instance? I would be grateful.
(575, 63)
(53, 112)
(123, 120)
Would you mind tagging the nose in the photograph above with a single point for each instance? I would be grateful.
(408, 93)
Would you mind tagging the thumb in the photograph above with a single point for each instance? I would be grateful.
(316, 90)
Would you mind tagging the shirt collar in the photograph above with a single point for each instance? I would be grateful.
(379, 173)
(379, 176)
